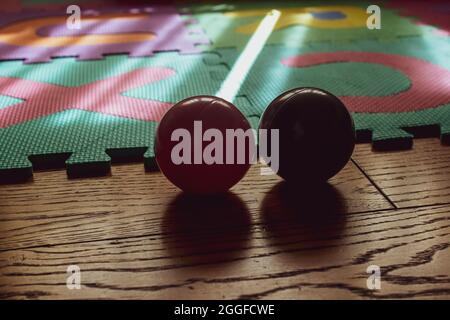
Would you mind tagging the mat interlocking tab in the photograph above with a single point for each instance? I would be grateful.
(85, 112)
(41, 36)
(301, 23)
(395, 89)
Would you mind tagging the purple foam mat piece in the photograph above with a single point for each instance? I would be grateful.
(8, 17)
(163, 21)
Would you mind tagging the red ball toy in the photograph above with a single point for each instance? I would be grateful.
(192, 145)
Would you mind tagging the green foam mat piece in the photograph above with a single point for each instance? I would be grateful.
(87, 140)
(131, 140)
(398, 129)
(224, 24)
(50, 137)
(268, 78)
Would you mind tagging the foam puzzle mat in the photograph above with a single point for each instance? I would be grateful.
(84, 98)
(300, 23)
(39, 36)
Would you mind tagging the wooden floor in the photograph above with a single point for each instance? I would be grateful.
(133, 235)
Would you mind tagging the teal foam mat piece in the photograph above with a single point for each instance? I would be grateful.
(233, 24)
(48, 138)
(390, 130)
(80, 138)
(130, 140)
(269, 77)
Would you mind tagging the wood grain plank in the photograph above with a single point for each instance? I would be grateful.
(416, 177)
(131, 203)
(281, 254)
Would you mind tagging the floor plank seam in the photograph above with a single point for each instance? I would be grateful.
(374, 184)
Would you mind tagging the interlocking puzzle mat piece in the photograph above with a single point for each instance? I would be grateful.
(17, 6)
(86, 112)
(58, 4)
(40, 36)
(130, 140)
(303, 23)
(391, 87)
(435, 12)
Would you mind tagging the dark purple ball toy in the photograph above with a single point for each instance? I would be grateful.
(316, 134)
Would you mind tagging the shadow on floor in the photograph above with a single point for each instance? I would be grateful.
(303, 221)
(206, 229)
